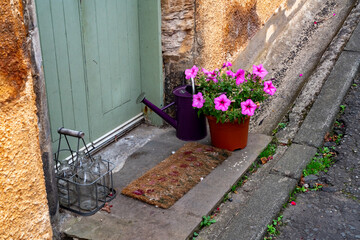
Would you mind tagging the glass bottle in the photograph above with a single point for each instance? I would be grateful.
(100, 170)
(85, 182)
(66, 189)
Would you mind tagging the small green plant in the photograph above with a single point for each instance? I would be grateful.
(338, 139)
(300, 189)
(354, 85)
(316, 188)
(268, 151)
(342, 108)
(282, 125)
(242, 180)
(207, 221)
(321, 162)
(272, 229)
(226, 197)
(195, 235)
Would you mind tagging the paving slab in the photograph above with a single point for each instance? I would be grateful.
(133, 219)
(262, 207)
(353, 44)
(294, 160)
(326, 106)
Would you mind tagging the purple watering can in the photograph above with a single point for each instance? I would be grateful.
(189, 127)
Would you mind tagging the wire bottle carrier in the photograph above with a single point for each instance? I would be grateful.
(84, 182)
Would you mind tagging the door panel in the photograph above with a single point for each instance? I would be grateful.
(111, 46)
(63, 62)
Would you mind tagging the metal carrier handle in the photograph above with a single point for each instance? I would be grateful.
(69, 132)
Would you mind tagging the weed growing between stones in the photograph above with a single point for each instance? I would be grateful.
(321, 162)
(272, 229)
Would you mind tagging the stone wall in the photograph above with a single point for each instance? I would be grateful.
(208, 33)
(24, 211)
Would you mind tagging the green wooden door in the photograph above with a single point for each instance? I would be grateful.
(91, 62)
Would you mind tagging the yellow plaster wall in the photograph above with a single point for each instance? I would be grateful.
(23, 204)
(225, 27)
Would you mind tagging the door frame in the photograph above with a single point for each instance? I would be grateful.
(151, 61)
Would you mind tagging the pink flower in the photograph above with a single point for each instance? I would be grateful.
(259, 71)
(212, 78)
(191, 73)
(198, 100)
(293, 203)
(248, 107)
(300, 75)
(240, 76)
(211, 75)
(227, 64)
(230, 73)
(269, 87)
(222, 103)
(206, 72)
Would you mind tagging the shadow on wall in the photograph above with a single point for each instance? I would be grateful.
(265, 36)
(242, 25)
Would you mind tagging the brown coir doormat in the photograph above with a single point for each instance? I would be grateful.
(168, 181)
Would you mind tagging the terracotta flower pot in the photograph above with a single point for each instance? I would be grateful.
(230, 136)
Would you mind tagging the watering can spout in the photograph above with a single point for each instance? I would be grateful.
(157, 110)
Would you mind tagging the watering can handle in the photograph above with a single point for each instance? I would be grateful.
(193, 86)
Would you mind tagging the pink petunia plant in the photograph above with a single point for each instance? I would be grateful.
(230, 95)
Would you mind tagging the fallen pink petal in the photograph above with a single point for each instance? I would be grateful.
(293, 203)
(300, 75)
